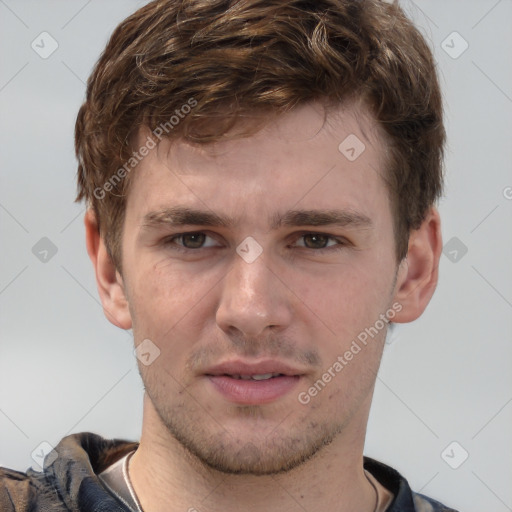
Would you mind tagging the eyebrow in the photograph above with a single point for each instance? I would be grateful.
(182, 216)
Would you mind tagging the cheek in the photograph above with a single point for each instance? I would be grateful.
(174, 304)
(346, 298)
(168, 303)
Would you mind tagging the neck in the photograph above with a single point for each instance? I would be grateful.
(165, 476)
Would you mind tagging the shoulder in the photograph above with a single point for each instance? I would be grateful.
(425, 504)
(405, 500)
(16, 491)
(24, 492)
(69, 478)
(14, 488)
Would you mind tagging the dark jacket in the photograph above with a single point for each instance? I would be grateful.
(69, 482)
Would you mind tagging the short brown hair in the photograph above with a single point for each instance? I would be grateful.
(235, 58)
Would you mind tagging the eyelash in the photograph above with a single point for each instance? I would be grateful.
(341, 243)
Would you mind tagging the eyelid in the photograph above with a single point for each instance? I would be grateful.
(171, 240)
(341, 242)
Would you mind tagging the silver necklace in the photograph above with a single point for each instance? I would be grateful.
(377, 501)
(126, 475)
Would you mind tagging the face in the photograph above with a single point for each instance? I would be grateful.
(255, 267)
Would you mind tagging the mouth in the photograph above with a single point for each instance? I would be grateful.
(253, 384)
(261, 376)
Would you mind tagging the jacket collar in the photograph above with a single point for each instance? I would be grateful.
(73, 472)
(80, 457)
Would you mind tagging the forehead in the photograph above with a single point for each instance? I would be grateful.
(306, 156)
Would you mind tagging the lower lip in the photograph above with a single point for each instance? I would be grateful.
(253, 392)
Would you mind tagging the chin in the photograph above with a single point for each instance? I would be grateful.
(283, 452)
(249, 443)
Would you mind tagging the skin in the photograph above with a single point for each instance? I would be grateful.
(298, 303)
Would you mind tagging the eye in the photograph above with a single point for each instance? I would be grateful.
(194, 240)
(199, 240)
(319, 241)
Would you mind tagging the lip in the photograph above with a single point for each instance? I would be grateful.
(253, 392)
(238, 367)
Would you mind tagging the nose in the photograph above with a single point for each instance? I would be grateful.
(253, 299)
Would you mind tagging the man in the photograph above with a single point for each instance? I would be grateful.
(261, 180)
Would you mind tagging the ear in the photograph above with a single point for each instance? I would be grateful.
(418, 272)
(108, 279)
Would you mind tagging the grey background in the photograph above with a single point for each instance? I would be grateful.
(447, 377)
